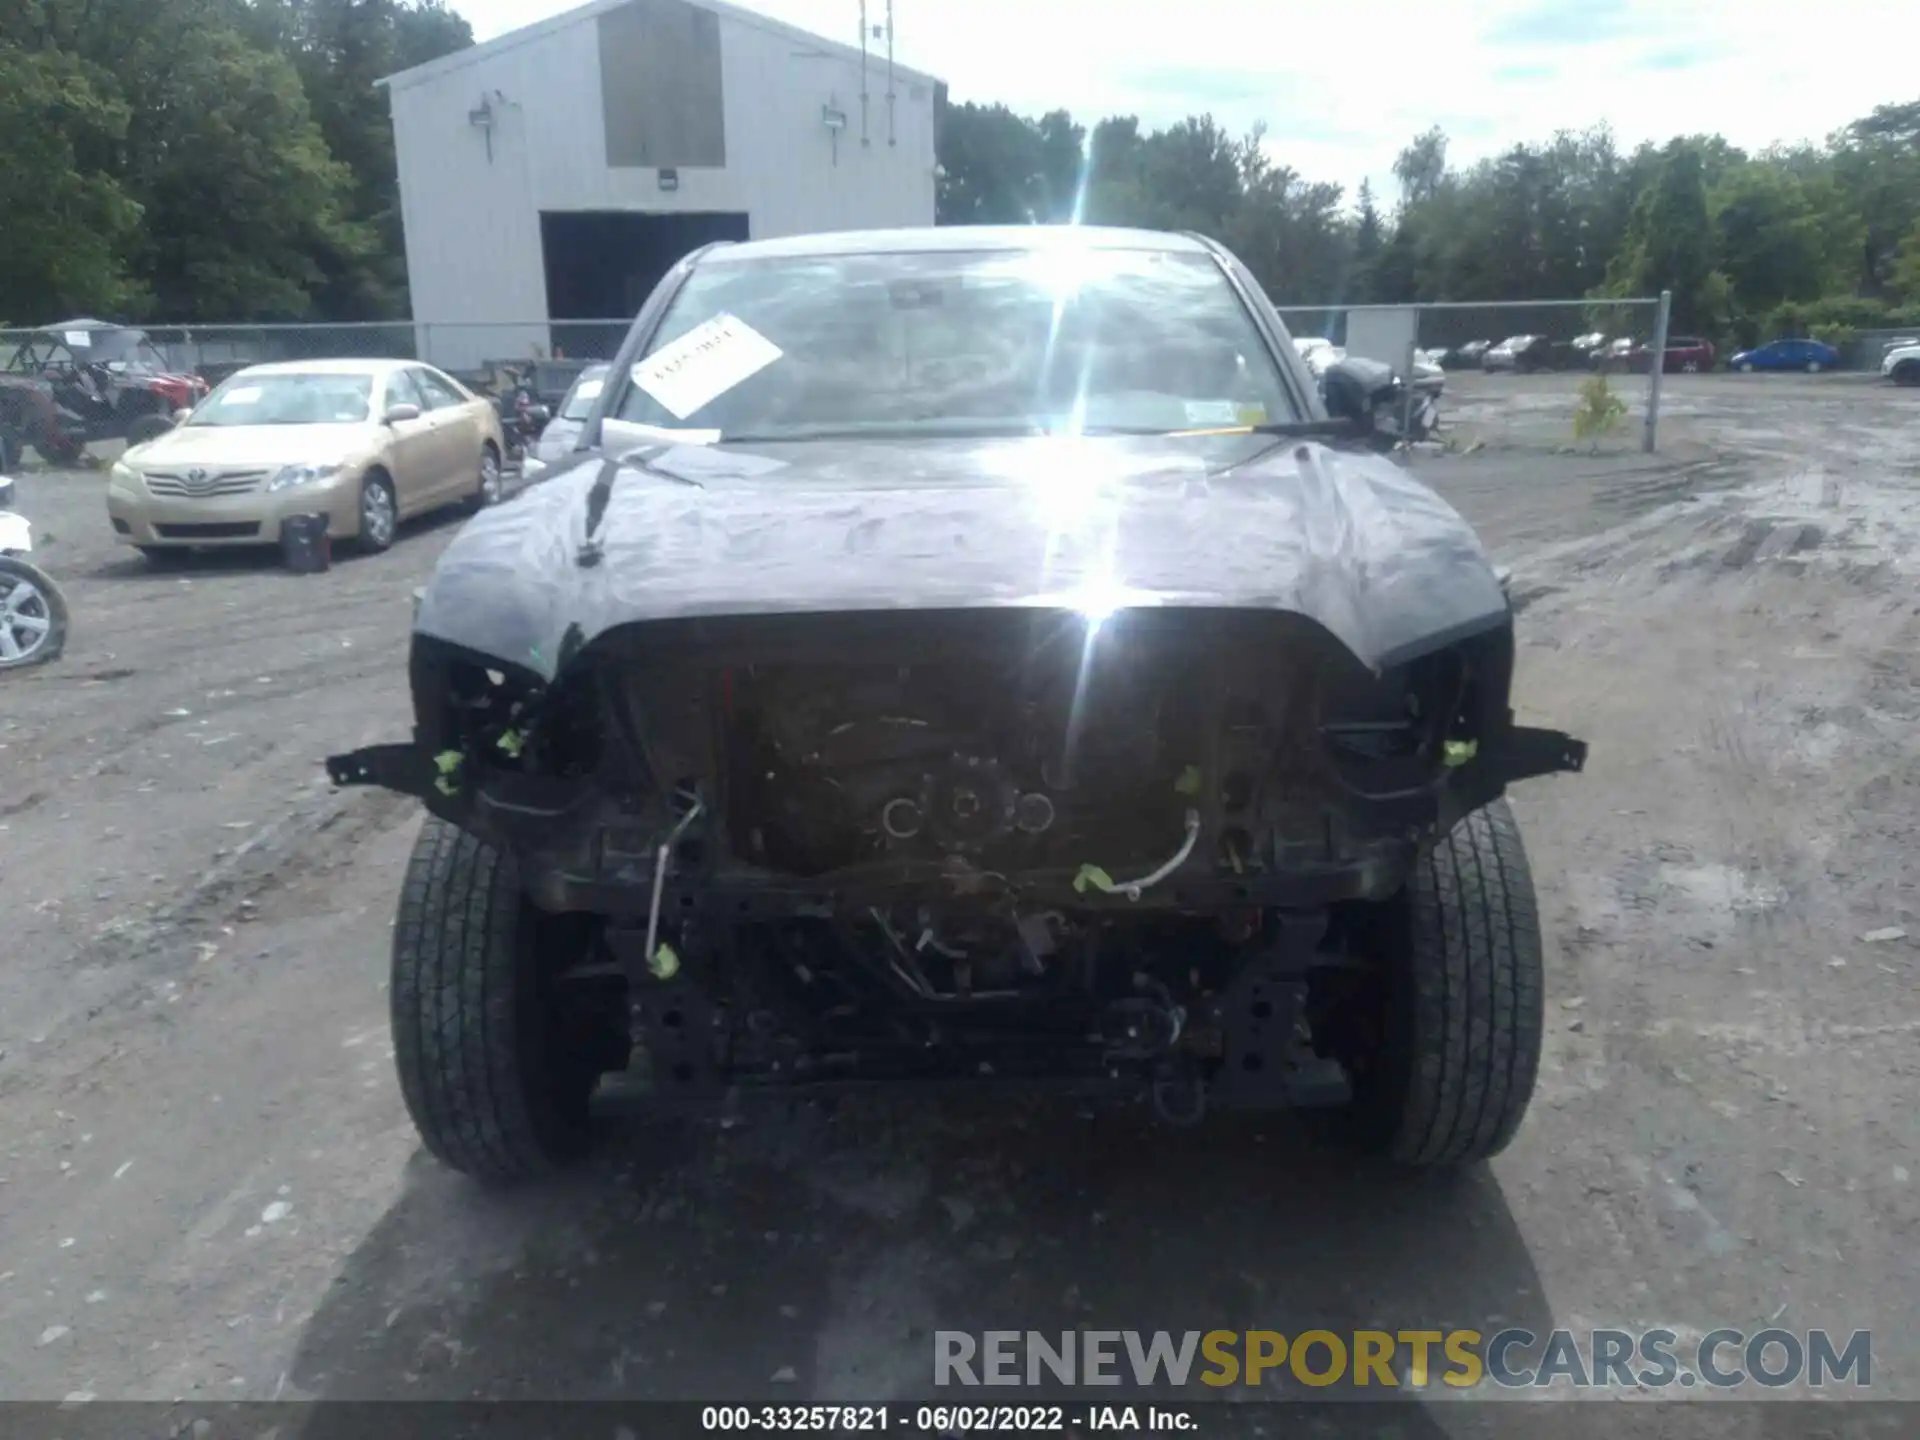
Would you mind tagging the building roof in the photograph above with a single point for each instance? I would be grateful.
(910, 239)
(461, 59)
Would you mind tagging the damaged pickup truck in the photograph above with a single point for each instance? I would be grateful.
(972, 657)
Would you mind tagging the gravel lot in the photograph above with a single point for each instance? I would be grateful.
(209, 1190)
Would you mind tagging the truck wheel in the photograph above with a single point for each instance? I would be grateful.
(1460, 1008)
(59, 450)
(492, 1088)
(1907, 372)
(11, 449)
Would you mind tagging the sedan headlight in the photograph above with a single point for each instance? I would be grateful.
(295, 475)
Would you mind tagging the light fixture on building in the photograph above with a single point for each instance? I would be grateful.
(481, 118)
(835, 119)
(669, 179)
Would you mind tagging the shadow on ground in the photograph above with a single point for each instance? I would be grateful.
(126, 564)
(813, 1257)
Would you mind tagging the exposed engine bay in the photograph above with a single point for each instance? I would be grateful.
(1008, 843)
(1010, 769)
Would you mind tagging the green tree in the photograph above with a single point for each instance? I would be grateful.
(341, 50)
(1876, 161)
(993, 168)
(1369, 240)
(1906, 268)
(1421, 168)
(1062, 158)
(68, 220)
(249, 136)
(246, 210)
(1669, 242)
(1289, 231)
(1779, 238)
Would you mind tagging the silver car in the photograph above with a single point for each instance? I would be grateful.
(563, 431)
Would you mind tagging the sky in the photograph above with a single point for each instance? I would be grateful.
(1343, 84)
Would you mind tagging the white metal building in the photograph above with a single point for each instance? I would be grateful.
(556, 172)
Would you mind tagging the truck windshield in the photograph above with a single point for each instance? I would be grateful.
(1056, 338)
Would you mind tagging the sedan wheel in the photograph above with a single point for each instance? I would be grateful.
(1813, 367)
(1746, 367)
(492, 487)
(33, 617)
(1690, 367)
(379, 516)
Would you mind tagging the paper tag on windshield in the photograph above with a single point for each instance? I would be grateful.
(78, 340)
(704, 363)
(245, 395)
(1212, 412)
(589, 389)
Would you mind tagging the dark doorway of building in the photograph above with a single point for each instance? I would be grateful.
(601, 265)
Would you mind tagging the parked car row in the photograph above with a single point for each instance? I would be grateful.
(1684, 354)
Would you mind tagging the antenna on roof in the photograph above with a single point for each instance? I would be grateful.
(890, 137)
(863, 74)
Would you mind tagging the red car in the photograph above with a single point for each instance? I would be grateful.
(1686, 354)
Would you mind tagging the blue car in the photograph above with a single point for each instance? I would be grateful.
(1809, 355)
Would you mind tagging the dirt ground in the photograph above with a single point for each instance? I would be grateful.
(209, 1189)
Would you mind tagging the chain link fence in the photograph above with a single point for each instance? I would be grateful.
(478, 351)
(1520, 372)
(1509, 372)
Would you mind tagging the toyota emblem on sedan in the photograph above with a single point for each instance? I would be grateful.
(196, 477)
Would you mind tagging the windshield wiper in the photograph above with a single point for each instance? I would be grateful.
(1288, 428)
(601, 491)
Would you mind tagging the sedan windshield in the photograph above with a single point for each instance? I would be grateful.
(288, 399)
(931, 343)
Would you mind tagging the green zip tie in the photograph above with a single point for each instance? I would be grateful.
(1092, 877)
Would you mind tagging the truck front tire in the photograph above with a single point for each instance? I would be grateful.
(492, 1087)
(1460, 1002)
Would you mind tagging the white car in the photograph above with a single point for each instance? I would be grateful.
(1901, 364)
(563, 431)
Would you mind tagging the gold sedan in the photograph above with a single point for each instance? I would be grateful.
(367, 443)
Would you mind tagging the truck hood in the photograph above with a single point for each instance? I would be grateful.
(1351, 541)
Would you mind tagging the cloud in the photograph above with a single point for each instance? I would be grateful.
(1681, 57)
(1187, 85)
(1520, 74)
(1562, 22)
